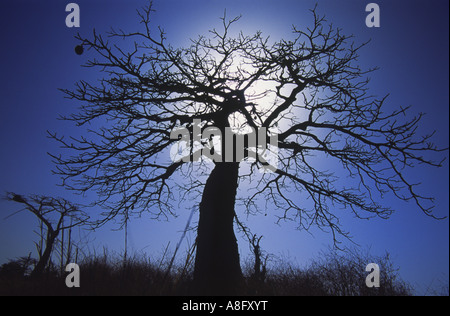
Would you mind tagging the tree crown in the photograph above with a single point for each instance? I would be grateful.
(308, 89)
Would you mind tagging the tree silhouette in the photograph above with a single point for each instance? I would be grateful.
(307, 91)
(57, 214)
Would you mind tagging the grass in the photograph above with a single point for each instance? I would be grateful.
(332, 274)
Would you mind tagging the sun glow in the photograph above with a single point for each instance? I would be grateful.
(260, 95)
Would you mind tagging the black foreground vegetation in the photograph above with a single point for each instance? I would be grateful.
(332, 274)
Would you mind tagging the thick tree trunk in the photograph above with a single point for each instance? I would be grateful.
(217, 266)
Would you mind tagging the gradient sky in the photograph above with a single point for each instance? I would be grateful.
(37, 57)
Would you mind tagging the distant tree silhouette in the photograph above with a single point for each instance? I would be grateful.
(56, 214)
(308, 90)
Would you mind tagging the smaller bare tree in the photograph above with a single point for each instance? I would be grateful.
(51, 213)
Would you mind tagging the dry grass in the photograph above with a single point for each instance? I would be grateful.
(335, 274)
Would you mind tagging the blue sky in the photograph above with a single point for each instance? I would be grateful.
(411, 49)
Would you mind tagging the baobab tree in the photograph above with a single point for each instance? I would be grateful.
(306, 91)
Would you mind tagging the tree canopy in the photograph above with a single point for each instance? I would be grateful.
(307, 89)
